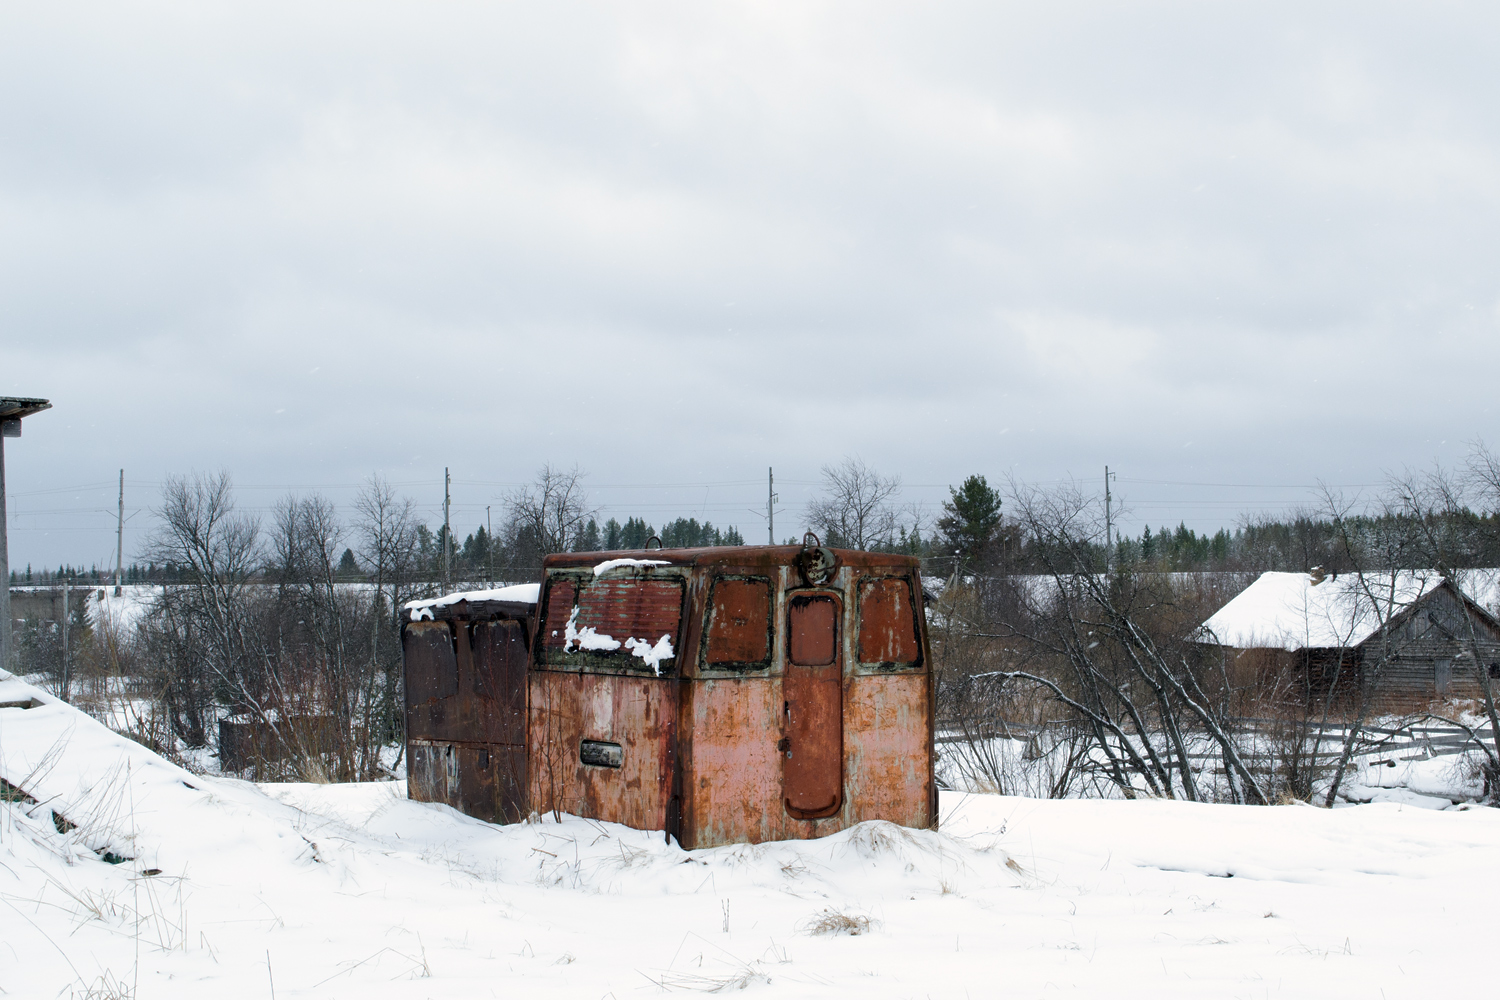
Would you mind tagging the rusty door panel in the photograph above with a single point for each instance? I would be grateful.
(431, 680)
(887, 623)
(812, 747)
(488, 785)
(510, 784)
(739, 629)
(499, 682)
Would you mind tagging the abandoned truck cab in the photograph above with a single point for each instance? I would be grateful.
(723, 695)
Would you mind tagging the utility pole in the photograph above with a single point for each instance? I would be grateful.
(489, 545)
(447, 533)
(62, 687)
(12, 411)
(770, 505)
(120, 535)
(1109, 552)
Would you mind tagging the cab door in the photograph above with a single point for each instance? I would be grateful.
(812, 745)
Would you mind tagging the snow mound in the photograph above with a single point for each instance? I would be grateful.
(116, 867)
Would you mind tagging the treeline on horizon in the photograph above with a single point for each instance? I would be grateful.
(859, 508)
(471, 560)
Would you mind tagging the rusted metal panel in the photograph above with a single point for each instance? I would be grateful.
(561, 596)
(466, 732)
(812, 744)
(888, 634)
(641, 608)
(481, 780)
(887, 746)
(431, 772)
(637, 713)
(739, 629)
(431, 680)
(733, 793)
(499, 681)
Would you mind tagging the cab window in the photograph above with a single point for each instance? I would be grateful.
(888, 634)
(738, 631)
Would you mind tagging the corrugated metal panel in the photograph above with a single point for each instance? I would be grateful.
(499, 682)
(562, 594)
(644, 609)
(431, 680)
(620, 610)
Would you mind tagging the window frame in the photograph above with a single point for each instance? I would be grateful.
(887, 666)
(734, 668)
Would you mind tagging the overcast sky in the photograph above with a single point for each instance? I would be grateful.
(675, 244)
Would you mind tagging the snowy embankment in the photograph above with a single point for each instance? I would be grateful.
(352, 891)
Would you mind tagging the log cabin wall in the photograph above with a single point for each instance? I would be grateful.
(1429, 654)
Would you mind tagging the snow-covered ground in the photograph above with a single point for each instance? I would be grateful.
(352, 891)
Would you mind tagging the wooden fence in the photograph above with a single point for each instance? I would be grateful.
(1416, 741)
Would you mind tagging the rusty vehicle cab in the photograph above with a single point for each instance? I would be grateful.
(733, 694)
(465, 662)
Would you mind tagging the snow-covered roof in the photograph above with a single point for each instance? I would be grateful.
(520, 593)
(1291, 611)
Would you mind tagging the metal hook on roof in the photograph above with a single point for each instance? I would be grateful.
(655, 539)
(816, 562)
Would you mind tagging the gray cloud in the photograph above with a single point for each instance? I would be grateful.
(678, 243)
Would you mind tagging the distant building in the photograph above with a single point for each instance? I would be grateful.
(1414, 633)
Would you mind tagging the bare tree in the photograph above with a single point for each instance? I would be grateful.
(1450, 535)
(854, 509)
(202, 628)
(553, 509)
(1108, 646)
(386, 525)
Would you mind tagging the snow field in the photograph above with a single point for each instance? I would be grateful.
(352, 891)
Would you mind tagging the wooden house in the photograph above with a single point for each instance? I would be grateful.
(1414, 636)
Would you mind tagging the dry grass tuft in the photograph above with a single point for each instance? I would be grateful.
(838, 922)
(106, 987)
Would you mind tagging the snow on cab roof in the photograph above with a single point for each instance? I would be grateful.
(519, 593)
(1297, 611)
(610, 564)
